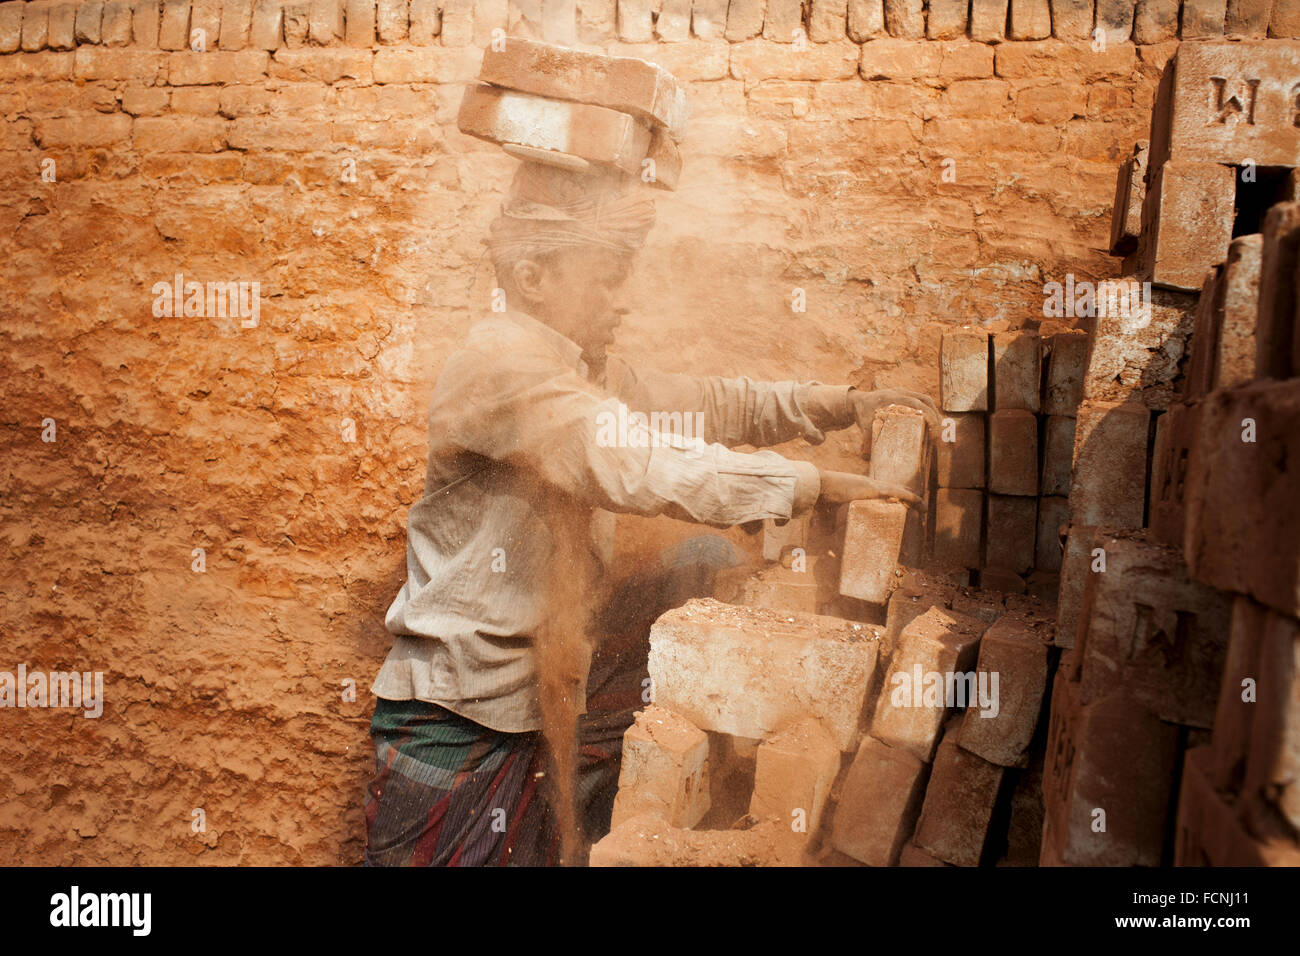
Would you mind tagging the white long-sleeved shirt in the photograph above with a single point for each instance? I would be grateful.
(516, 453)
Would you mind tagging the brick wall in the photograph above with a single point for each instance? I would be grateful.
(312, 148)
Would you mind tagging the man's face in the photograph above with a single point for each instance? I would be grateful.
(578, 293)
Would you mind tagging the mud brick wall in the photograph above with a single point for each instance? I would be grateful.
(909, 175)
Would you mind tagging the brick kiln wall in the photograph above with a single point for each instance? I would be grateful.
(820, 169)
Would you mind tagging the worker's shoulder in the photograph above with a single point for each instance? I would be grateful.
(499, 340)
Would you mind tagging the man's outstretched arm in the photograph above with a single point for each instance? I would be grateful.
(548, 420)
(742, 411)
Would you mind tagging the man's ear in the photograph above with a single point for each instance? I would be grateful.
(527, 276)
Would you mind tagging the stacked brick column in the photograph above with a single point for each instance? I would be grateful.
(1201, 606)
(1003, 462)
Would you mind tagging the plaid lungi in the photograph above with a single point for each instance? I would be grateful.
(450, 792)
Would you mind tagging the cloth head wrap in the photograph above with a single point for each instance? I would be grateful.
(551, 208)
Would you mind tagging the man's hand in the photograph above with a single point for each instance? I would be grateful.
(841, 487)
(865, 405)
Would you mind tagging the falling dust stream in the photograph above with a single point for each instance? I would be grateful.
(563, 656)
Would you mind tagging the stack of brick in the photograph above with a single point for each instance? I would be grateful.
(881, 535)
(1138, 685)
(1223, 149)
(1202, 605)
(954, 720)
(1000, 503)
(950, 731)
(1228, 497)
(578, 110)
(796, 684)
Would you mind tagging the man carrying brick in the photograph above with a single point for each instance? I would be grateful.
(506, 550)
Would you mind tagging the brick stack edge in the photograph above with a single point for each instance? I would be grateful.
(1180, 588)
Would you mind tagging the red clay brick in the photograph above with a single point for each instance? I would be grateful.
(958, 518)
(1013, 453)
(1108, 483)
(757, 60)
(1017, 370)
(1130, 193)
(1015, 648)
(749, 672)
(959, 463)
(1187, 222)
(103, 63)
(1143, 358)
(1053, 514)
(664, 770)
(1279, 257)
(1237, 314)
(1203, 18)
(793, 774)
(946, 19)
(635, 21)
(1058, 455)
(1076, 566)
(904, 18)
(745, 19)
(618, 83)
(1115, 17)
(988, 20)
(1151, 630)
(182, 134)
(900, 447)
(1273, 756)
(1285, 22)
(83, 131)
(964, 371)
(115, 29)
(879, 803)
(89, 21)
(1248, 18)
(1030, 20)
(709, 19)
(866, 19)
(36, 26)
(1242, 523)
(188, 68)
(391, 20)
(1155, 21)
(1209, 112)
(174, 25)
(780, 20)
(1066, 361)
(1234, 715)
(958, 807)
(1119, 759)
(1176, 432)
(592, 133)
(873, 540)
(1072, 19)
(908, 713)
(1010, 534)
(916, 593)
